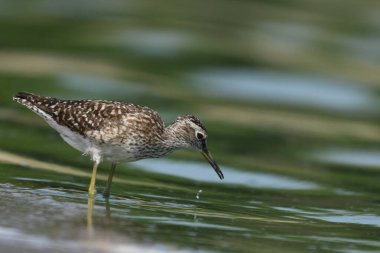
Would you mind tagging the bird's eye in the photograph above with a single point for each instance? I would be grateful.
(200, 136)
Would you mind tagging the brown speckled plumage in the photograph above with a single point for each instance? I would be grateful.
(117, 131)
(95, 119)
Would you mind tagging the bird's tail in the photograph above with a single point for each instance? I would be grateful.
(29, 100)
(24, 97)
(38, 104)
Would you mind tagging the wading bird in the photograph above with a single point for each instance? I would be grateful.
(118, 132)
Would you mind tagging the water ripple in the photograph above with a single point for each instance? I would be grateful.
(203, 172)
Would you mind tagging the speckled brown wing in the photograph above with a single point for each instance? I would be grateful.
(100, 120)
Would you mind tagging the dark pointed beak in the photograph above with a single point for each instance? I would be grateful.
(213, 163)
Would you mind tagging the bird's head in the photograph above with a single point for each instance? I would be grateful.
(193, 133)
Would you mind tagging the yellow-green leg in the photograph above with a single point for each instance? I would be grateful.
(90, 209)
(107, 190)
(91, 188)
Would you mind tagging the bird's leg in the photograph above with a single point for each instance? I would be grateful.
(91, 188)
(107, 190)
(90, 209)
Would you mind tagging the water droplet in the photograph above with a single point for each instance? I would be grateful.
(199, 192)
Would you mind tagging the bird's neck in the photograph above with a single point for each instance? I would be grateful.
(174, 138)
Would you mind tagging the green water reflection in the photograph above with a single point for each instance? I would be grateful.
(288, 91)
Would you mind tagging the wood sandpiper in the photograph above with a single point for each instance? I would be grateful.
(118, 132)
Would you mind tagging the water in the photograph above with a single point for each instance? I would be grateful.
(359, 157)
(152, 42)
(198, 194)
(43, 213)
(286, 89)
(97, 86)
(203, 172)
(288, 92)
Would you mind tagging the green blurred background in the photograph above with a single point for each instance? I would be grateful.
(289, 92)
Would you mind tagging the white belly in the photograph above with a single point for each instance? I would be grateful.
(118, 153)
